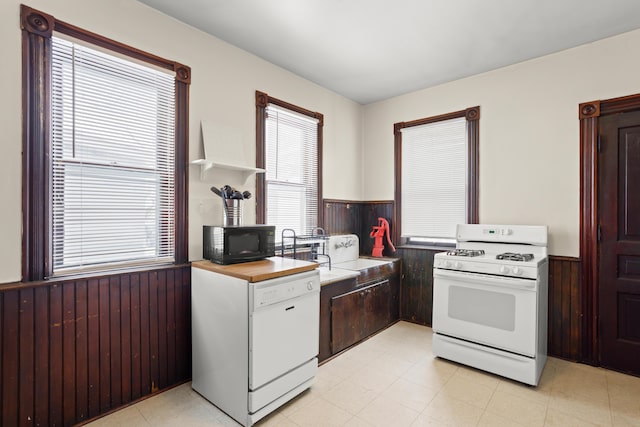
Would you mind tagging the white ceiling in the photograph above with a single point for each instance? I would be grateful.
(369, 50)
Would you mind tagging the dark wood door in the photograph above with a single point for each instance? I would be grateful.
(377, 307)
(619, 247)
(347, 320)
(358, 314)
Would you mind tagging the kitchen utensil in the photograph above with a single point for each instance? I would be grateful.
(227, 191)
(217, 191)
(246, 194)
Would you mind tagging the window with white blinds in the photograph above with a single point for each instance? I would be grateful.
(112, 160)
(434, 180)
(291, 178)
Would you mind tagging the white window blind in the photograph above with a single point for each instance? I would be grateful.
(112, 160)
(434, 179)
(291, 170)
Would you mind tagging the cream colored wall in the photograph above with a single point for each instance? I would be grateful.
(529, 162)
(529, 132)
(224, 80)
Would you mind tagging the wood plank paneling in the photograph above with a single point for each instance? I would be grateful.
(105, 341)
(27, 356)
(564, 338)
(341, 217)
(370, 212)
(170, 331)
(69, 352)
(10, 357)
(2, 310)
(93, 345)
(82, 361)
(162, 330)
(72, 350)
(153, 331)
(125, 340)
(185, 330)
(136, 389)
(115, 335)
(145, 342)
(555, 308)
(416, 288)
(41, 368)
(56, 390)
(353, 217)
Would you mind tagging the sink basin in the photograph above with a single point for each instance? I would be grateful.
(335, 274)
(360, 264)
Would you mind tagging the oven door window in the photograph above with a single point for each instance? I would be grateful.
(496, 311)
(479, 307)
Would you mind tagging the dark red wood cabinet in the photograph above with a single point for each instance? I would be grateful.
(354, 309)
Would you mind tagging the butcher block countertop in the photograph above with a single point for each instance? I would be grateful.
(256, 271)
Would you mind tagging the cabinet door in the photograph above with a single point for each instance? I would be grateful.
(358, 314)
(377, 307)
(347, 320)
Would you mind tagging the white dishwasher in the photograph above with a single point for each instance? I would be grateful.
(255, 345)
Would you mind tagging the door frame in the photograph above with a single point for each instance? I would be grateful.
(589, 115)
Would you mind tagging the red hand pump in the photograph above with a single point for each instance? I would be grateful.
(378, 233)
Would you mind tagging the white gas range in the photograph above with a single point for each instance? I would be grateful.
(490, 300)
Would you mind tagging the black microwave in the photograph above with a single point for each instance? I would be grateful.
(235, 243)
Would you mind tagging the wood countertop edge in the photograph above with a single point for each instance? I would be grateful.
(257, 271)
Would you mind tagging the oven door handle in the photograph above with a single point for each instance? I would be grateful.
(487, 279)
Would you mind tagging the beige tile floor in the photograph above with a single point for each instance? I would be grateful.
(393, 379)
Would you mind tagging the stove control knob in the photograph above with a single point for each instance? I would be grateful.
(457, 265)
(447, 264)
(504, 270)
(517, 271)
(310, 286)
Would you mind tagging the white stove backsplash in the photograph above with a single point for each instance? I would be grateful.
(343, 248)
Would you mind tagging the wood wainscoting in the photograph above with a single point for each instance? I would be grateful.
(351, 217)
(416, 284)
(565, 308)
(74, 349)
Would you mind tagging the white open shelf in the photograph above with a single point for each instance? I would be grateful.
(207, 165)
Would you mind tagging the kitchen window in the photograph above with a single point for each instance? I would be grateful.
(436, 176)
(289, 148)
(104, 150)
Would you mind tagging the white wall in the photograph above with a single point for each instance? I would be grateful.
(529, 132)
(224, 81)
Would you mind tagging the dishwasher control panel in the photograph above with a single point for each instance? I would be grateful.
(284, 288)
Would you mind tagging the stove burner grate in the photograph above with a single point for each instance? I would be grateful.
(510, 256)
(466, 252)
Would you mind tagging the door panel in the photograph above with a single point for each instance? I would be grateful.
(629, 173)
(378, 307)
(358, 314)
(619, 247)
(347, 320)
(283, 336)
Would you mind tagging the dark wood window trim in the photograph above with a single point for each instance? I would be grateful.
(472, 116)
(589, 114)
(262, 100)
(37, 29)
